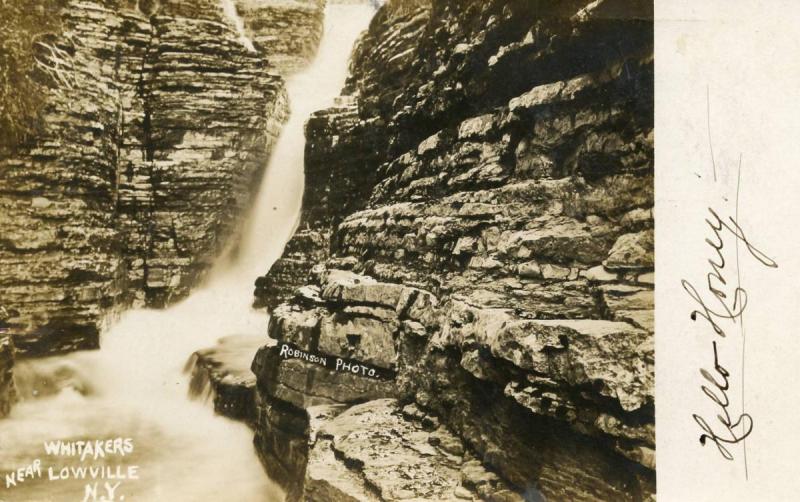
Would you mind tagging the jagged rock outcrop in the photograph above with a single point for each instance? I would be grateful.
(573, 398)
(477, 222)
(160, 126)
(222, 374)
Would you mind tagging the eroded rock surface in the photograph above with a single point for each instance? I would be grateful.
(404, 454)
(478, 221)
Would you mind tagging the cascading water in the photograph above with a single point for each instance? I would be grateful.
(134, 387)
(229, 8)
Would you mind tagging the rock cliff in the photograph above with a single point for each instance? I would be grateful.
(477, 231)
(159, 120)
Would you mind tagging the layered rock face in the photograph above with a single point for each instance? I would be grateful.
(288, 31)
(158, 128)
(477, 226)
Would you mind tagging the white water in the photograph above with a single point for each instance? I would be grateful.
(134, 387)
(229, 8)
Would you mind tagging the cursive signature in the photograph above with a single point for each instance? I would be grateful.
(721, 399)
(719, 303)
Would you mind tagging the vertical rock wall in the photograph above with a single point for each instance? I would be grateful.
(207, 114)
(478, 221)
(58, 260)
(156, 132)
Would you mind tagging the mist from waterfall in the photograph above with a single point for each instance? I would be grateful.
(134, 386)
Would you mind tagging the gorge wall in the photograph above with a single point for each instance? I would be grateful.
(477, 225)
(159, 120)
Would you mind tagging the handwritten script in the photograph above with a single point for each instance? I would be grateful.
(719, 304)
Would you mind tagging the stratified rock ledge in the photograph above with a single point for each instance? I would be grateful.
(478, 224)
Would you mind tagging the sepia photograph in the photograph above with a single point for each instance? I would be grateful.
(328, 250)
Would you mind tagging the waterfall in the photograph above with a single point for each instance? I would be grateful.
(134, 386)
(229, 8)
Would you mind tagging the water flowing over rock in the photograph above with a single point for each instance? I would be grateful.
(288, 31)
(156, 135)
(222, 374)
(478, 221)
